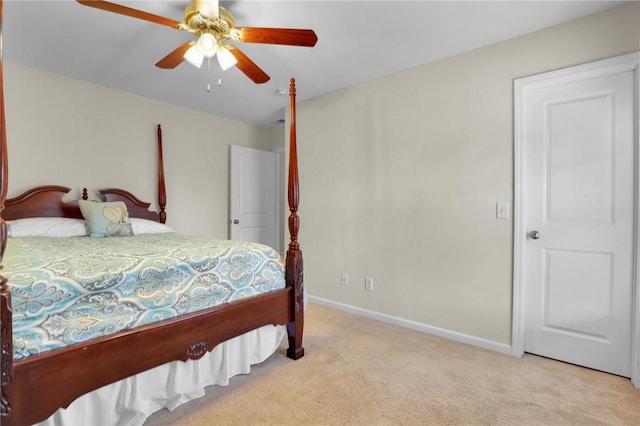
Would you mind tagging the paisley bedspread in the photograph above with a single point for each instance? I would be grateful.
(70, 290)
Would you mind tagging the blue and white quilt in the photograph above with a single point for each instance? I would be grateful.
(70, 290)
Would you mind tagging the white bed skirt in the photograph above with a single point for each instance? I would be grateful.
(132, 400)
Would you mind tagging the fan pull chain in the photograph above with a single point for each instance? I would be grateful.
(209, 75)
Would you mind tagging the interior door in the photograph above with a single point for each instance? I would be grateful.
(578, 215)
(254, 196)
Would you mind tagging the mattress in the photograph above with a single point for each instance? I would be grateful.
(71, 290)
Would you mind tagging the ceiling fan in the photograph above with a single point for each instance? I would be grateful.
(214, 27)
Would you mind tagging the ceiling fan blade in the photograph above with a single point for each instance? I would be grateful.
(247, 66)
(127, 11)
(176, 57)
(286, 36)
(207, 8)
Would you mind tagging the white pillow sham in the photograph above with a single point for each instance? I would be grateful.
(47, 227)
(145, 226)
(59, 227)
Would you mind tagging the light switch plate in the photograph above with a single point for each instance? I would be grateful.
(502, 210)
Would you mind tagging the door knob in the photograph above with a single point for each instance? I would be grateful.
(236, 221)
(534, 235)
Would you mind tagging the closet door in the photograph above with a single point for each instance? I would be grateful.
(577, 231)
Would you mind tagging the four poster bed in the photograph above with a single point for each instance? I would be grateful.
(156, 337)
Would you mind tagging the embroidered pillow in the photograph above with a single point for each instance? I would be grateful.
(109, 219)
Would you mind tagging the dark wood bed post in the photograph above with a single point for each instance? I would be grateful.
(162, 192)
(6, 333)
(293, 274)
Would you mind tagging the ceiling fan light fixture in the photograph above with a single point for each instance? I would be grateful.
(207, 44)
(226, 58)
(194, 56)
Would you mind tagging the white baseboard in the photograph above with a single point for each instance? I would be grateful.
(413, 325)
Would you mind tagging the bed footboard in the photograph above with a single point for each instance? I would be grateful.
(41, 384)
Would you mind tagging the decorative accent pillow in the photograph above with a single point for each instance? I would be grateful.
(109, 219)
(145, 226)
(46, 227)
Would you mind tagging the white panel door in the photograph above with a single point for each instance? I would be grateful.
(578, 210)
(254, 196)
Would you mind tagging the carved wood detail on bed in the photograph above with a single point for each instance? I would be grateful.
(293, 264)
(42, 201)
(49, 201)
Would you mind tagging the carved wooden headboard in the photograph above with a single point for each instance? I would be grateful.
(49, 201)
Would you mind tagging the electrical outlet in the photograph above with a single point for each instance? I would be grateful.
(368, 283)
(344, 279)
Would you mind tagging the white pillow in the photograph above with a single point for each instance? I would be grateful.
(145, 226)
(47, 227)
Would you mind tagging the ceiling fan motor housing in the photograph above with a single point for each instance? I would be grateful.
(220, 27)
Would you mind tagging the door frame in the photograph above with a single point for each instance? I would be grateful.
(628, 62)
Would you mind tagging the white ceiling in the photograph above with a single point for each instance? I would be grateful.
(357, 41)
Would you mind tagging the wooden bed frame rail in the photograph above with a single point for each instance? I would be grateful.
(32, 389)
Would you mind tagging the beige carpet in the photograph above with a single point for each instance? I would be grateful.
(358, 371)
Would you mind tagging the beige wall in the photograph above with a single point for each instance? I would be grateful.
(400, 176)
(78, 134)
